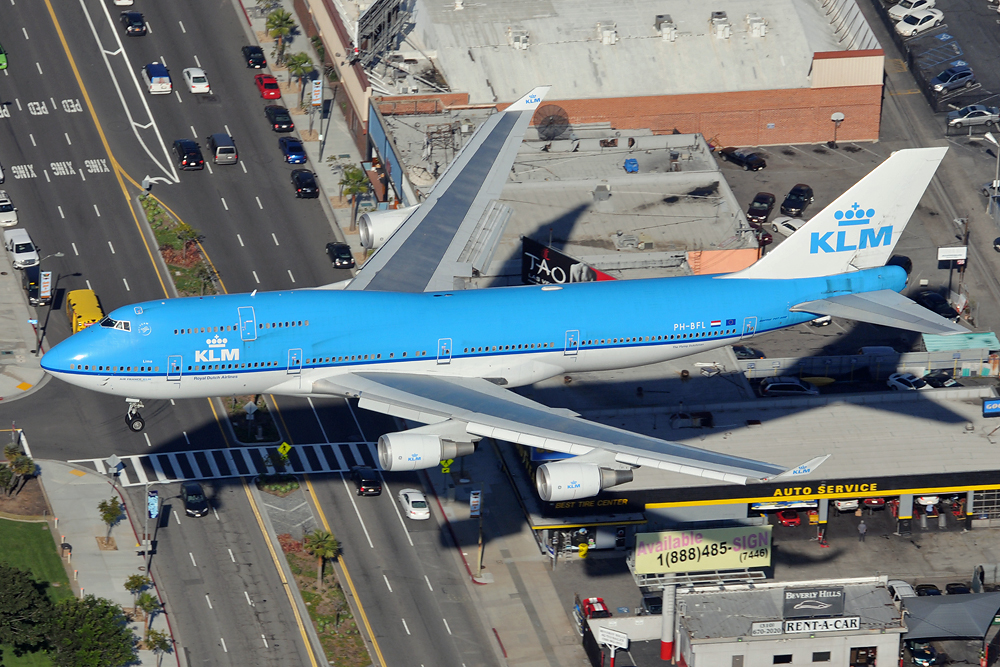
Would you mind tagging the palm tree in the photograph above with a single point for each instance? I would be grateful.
(149, 604)
(22, 467)
(135, 584)
(323, 545)
(12, 451)
(353, 182)
(300, 65)
(159, 643)
(280, 25)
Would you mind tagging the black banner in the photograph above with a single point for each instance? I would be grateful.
(541, 265)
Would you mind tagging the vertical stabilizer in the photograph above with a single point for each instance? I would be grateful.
(860, 228)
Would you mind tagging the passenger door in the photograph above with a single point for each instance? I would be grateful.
(248, 323)
(572, 343)
(174, 365)
(294, 361)
(749, 327)
(444, 351)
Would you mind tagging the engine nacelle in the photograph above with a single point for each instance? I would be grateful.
(377, 226)
(415, 451)
(557, 482)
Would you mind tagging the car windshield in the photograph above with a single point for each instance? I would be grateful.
(23, 247)
(918, 383)
(343, 252)
(199, 79)
(195, 498)
(282, 116)
(911, 19)
(419, 504)
(6, 208)
(270, 85)
(758, 205)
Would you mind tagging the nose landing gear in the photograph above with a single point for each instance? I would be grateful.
(134, 420)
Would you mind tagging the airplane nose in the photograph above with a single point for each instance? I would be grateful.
(65, 356)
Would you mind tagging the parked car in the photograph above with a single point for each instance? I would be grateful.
(786, 226)
(595, 608)
(652, 605)
(367, 481)
(193, 497)
(188, 154)
(760, 209)
(927, 590)
(974, 114)
(906, 7)
(922, 653)
(292, 150)
(763, 238)
(20, 248)
(920, 21)
(8, 212)
(414, 505)
(786, 386)
(340, 255)
(941, 379)
(846, 505)
(874, 503)
(938, 304)
(822, 321)
(905, 382)
(744, 352)
(196, 80)
(789, 518)
(927, 501)
(797, 199)
(254, 57)
(748, 160)
(268, 86)
(279, 118)
(134, 23)
(304, 183)
(900, 589)
(957, 589)
(952, 78)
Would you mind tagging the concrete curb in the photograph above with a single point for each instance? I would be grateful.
(147, 231)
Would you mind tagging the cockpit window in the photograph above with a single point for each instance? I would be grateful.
(121, 325)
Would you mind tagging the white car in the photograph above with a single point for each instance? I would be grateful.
(414, 504)
(920, 21)
(905, 382)
(196, 80)
(786, 226)
(906, 7)
(846, 505)
(8, 213)
(927, 501)
(124, 3)
(20, 248)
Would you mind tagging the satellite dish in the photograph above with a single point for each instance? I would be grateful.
(554, 121)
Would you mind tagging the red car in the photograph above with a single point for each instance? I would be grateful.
(595, 608)
(789, 518)
(268, 86)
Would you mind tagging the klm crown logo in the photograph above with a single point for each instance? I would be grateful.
(217, 342)
(850, 239)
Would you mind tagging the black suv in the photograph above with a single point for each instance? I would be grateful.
(188, 154)
(366, 480)
(797, 199)
(760, 209)
(305, 184)
(133, 22)
(748, 160)
(254, 55)
(340, 255)
(279, 118)
(195, 503)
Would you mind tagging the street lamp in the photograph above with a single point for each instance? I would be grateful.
(41, 329)
(836, 118)
(55, 254)
(996, 175)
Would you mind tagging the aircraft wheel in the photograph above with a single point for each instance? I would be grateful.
(136, 423)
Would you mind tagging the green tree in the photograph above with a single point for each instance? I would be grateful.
(5, 477)
(187, 235)
(135, 584)
(150, 604)
(92, 632)
(159, 643)
(323, 545)
(24, 609)
(111, 513)
(300, 66)
(11, 451)
(280, 25)
(353, 182)
(22, 468)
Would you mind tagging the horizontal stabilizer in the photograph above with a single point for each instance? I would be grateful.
(801, 470)
(883, 307)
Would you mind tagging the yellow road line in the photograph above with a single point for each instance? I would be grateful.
(326, 526)
(270, 548)
(104, 141)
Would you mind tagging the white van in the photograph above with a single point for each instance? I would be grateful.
(157, 79)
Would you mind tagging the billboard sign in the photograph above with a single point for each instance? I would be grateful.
(610, 637)
(703, 550)
(765, 628)
(823, 625)
(813, 602)
(991, 407)
(317, 93)
(541, 265)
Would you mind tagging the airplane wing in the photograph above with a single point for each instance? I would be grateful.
(456, 229)
(883, 307)
(488, 410)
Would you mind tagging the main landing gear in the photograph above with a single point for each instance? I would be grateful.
(134, 420)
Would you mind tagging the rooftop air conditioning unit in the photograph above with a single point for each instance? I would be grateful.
(756, 25)
(607, 32)
(721, 26)
(517, 38)
(666, 27)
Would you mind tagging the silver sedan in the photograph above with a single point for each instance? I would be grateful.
(974, 114)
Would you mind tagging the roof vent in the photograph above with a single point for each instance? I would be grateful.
(607, 32)
(756, 25)
(518, 38)
(666, 27)
(721, 26)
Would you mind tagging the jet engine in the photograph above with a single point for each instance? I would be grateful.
(415, 451)
(568, 481)
(377, 226)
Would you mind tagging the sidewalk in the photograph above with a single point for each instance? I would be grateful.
(20, 369)
(74, 495)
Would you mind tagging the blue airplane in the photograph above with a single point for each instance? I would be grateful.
(445, 357)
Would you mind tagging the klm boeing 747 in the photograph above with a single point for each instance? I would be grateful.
(446, 358)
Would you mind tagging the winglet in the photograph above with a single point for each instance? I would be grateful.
(530, 101)
(800, 470)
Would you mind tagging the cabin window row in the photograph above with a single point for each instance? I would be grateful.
(236, 327)
(223, 367)
(115, 369)
(500, 348)
(641, 339)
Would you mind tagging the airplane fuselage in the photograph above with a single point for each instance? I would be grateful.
(283, 342)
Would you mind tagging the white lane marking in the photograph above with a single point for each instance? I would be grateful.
(186, 438)
(111, 246)
(198, 64)
(148, 443)
(223, 640)
(241, 164)
(66, 134)
(240, 239)
(290, 275)
(39, 66)
(225, 126)
(247, 596)
(88, 284)
(405, 627)
(208, 600)
(259, 205)
(32, 137)
(178, 94)
(194, 135)
(61, 214)
(98, 212)
(127, 288)
(53, 100)
(182, 27)
(216, 514)
(446, 626)
(185, 434)
(209, 168)
(275, 239)
(83, 176)
(18, 104)
(350, 495)
(387, 583)
(46, 172)
(231, 556)
(224, 204)
(265, 641)
(189, 553)
(75, 251)
(25, 31)
(428, 583)
(255, 277)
